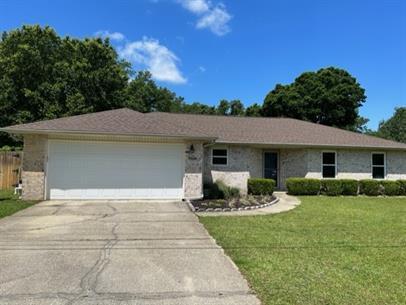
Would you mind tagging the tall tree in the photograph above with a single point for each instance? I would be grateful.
(223, 107)
(237, 108)
(395, 127)
(44, 76)
(198, 108)
(144, 95)
(329, 96)
(254, 110)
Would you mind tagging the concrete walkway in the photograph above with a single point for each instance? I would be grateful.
(116, 253)
(285, 203)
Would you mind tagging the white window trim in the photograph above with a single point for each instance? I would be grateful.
(226, 156)
(384, 164)
(335, 163)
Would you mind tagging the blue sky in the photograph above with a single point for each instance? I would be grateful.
(210, 50)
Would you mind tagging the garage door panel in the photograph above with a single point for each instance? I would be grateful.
(112, 170)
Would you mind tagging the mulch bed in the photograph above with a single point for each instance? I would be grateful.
(240, 202)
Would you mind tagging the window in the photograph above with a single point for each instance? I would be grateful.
(378, 165)
(219, 156)
(329, 164)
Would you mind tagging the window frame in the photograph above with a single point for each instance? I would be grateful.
(384, 164)
(323, 164)
(224, 157)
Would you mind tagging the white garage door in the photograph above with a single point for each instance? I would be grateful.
(91, 170)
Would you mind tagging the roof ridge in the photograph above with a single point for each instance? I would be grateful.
(173, 124)
(219, 115)
(279, 118)
(78, 115)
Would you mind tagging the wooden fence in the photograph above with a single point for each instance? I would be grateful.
(10, 168)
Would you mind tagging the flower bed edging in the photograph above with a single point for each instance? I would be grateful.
(214, 210)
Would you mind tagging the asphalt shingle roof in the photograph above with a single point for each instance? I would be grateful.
(225, 129)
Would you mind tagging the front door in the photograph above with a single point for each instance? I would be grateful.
(271, 166)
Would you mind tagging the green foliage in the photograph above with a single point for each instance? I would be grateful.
(198, 108)
(349, 187)
(219, 190)
(303, 186)
(402, 184)
(395, 127)
(44, 76)
(391, 188)
(237, 108)
(330, 96)
(331, 187)
(223, 107)
(144, 95)
(261, 186)
(226, 191)
(254, 110)
(370, 187)
(10, 204)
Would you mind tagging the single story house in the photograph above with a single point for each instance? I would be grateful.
(125, 154)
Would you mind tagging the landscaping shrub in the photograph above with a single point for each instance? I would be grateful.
(220, 190)
(261, 186)
(331, 187)
(391, 188)
(369, 187)
(402, 184)
(227, 191)
(303, 186)
(349, 187)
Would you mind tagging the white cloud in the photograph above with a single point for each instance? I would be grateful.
(116, 36)
(202, 69)
(212, 17)
(159, 60)
(195, 6)
(216, 20)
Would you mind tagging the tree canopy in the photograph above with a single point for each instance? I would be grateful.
(395, 127)
(329, 96)
(44, 76)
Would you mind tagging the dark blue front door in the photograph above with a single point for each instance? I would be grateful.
(271, 166)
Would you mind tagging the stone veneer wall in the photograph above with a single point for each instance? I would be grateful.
(33, 169)
(292, 163)
(193, 179)
(246, 162)
(357, 164)
(243, 162)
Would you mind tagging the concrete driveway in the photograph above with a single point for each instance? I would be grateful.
(114, 252)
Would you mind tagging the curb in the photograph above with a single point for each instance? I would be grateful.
(214, 210)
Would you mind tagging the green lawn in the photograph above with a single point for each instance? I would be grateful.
(10, 204)
(348, 250)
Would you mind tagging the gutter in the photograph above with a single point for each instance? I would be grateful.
(92, 133)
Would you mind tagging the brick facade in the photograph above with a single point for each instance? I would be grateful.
(244, 162)
(33, 169)
(193, 179)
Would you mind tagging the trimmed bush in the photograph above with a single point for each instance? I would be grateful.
(331, 187)
(370, 187)
(349, 187)
(261, 186)
(219, 190)
(402, 184)
(391, 188)
(303, 186)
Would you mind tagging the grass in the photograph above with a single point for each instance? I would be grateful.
(10, 204)
(343, 250)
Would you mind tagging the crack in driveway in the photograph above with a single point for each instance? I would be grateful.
(156, 259)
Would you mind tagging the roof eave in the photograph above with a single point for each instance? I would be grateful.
(310, 145)
(93, 133)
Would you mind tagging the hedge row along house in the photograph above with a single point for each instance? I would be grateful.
(124, 154)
